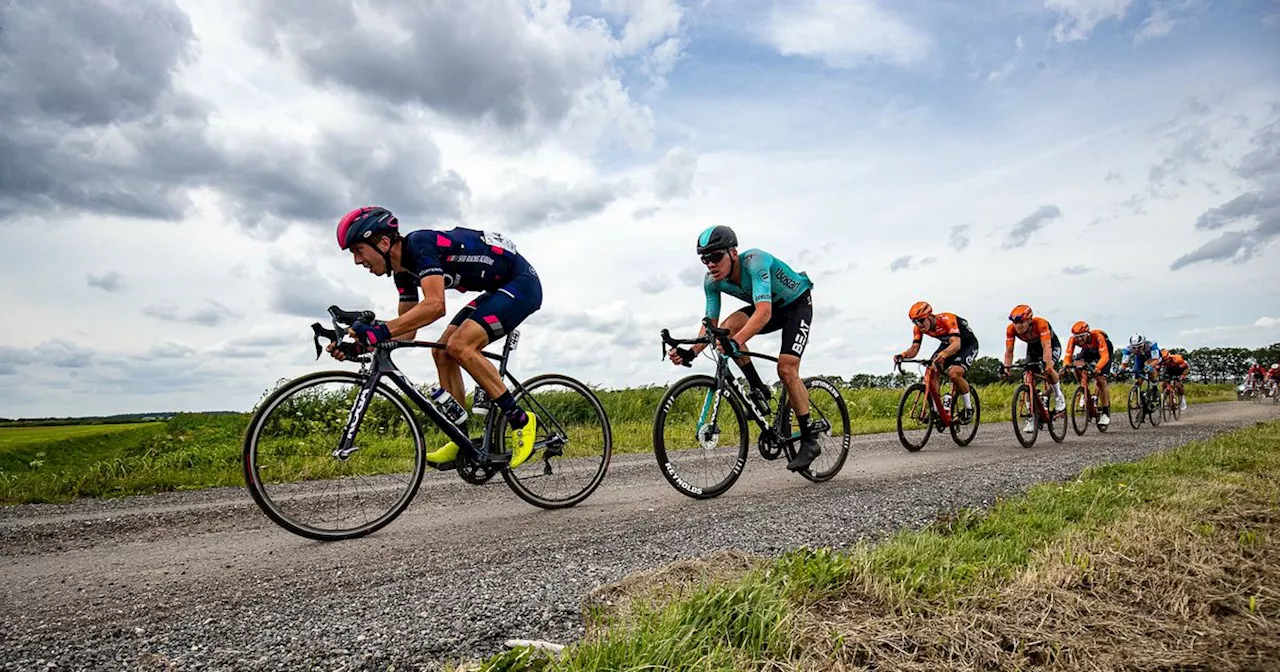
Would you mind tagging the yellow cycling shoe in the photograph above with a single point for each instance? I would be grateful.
(522, 440)
(448, 453)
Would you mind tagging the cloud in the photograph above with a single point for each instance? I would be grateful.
(1077, 18)
(1113, 176)
(1261, 332)
(213, 314)
(1157, 24)
(1022, 231)
(1261, 207)
(520, 68)
(844, 34)
(1176, 317)
(693, 276)
(959, 237)
(1076, 270)
(645, 213)
(655, 284)
(673, 178)
(906, 263)
(541, 202)
(110, 281)
(297, 288)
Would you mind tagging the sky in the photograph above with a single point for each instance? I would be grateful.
(172, 172)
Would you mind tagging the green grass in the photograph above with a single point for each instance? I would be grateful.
(752, 621)
(53, 464)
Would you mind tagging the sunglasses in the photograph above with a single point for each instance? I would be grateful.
(712, 257)
(919, 321)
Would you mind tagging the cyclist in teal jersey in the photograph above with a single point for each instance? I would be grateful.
(777, 298)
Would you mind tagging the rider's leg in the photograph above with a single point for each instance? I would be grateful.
(962, 390)
(734, 323)
(447, 368)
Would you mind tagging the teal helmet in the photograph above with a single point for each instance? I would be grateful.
(716, 238)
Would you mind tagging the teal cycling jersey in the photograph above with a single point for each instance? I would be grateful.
(763, 277)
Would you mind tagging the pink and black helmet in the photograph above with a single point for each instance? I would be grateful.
(361, 224)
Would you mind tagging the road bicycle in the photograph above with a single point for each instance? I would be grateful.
(1030, 406)
(339, 454)
(1170, 407)
(1143, 403)
(700, 433)
(1084, 403)
(925, 407)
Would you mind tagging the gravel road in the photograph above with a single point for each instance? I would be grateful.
(202, 580)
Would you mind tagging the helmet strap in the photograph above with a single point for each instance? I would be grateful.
(386, 256)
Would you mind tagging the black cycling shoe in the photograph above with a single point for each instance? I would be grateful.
(809, 451)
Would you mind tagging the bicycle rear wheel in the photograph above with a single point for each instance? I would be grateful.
(700, 437)
(293, 474)
(1023, 411)
(963, 433)
(829, 418)
(915, 422)
(573, 446)
(1080, 411)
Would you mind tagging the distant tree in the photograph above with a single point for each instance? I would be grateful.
(985, 371)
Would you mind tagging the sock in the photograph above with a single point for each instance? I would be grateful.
(1105, 410)
(967, 402)
(753, 377)
(1057, 389)
(516, 416)
(804, 424)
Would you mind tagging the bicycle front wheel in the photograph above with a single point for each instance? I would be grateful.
(700, 437)
(293, 471)
(573, 443)
(1080, 411)
(1026, 426)
(1135, 407)
(915, 422)
(829, 419)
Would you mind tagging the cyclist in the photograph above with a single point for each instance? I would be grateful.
(1255, 377)
(436, 260)
(1142, 355)
(1042, 345)
(955, 354)
(778, 298)
(1176, 368)
(1273, 377)
(1095, 348)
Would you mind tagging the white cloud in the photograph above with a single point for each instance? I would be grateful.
(1261, 332)
(1158, 24)
(844, 34)
(1077, 18)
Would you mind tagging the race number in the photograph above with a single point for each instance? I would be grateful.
(500, 241)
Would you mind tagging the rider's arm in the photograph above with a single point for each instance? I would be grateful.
(712, 312)
(1046, 346)
(916, 337)
(1008, 346)
(422, 313)
(1104, 353)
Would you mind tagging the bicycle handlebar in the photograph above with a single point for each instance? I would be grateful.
(713, 334)
(341, 319)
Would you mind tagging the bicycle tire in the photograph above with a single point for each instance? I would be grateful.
(977, 418)
(268, 505)
(1136, 411)
(1171, 401)
(1018, 393)
(902, 403)
(784, 420)
(1080, 416)
(665, 464)
(517, 483)
(1156, 418)
(1054, 417)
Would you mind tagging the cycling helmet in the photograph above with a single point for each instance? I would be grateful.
(1137, 340)
(716, 238)
(1275, 366)
(1020, 313)
(361, 224)
(1080, 328)
(920, 310)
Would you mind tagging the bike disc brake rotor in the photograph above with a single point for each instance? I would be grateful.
(708, 436)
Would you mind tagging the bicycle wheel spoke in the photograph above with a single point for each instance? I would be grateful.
(572, 446)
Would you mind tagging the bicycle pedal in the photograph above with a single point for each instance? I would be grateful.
(498, 459)
(451, 465)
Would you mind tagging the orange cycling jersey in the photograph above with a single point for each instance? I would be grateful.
(945, 325)
(1039, 330)
(1097, 343)
(1173, 361)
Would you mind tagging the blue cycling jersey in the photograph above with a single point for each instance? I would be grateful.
(1138, 357)
(763, 277)
(470, 261)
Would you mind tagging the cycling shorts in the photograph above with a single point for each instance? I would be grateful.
(794, 319)
(963, 358)
(1092, 357)
(1035, 351)
(502, 310)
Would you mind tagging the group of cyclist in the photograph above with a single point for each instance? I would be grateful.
(1263, 380)
(426, 262)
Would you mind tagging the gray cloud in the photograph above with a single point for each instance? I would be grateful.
(1076, 270)
(959, 237)
(1260, 207)
(655, 284)
(645, 213)
(693, 276)
(473, 61)
(907, 263)
(110, 281)
(541, 202)
(1112, 176)
(674, 177)
(212, 314)
(297, 288)
(1033, 222)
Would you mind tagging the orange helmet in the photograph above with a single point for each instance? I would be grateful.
(920, 310)
(1020, 313)
(1080, 328)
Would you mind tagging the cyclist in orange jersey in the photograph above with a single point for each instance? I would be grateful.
(1095, 348)
(954, 356)
(1042, 345)
(1177, 367)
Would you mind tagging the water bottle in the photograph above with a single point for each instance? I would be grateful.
(447, 404)
(946, 401)
(479, 401)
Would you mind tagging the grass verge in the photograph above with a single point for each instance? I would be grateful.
(1165, 563)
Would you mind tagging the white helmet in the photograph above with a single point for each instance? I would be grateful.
(1137, 340)
(1275, 366)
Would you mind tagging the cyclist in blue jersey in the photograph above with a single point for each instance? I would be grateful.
(1141, 357)
(777, 298)
(433, 261)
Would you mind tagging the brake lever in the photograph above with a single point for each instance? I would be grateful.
(321, 331)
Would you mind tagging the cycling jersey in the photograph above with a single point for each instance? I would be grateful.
(945, 325)
(1039, 336)
(1170, 361)
(1137, 357)
(1096, 350)
(763, 278)
(1274, 374)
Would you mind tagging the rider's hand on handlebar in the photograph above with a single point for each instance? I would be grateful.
(681, 356)
(736, 348)
(897, 359)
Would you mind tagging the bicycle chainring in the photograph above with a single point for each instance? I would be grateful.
(473, 472)
(769, 445)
